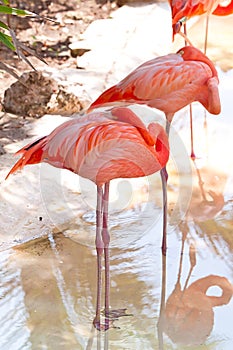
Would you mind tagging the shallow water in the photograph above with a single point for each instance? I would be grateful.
(48, 288)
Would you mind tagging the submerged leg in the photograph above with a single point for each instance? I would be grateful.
(99, 250)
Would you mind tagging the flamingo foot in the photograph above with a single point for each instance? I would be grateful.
(103, 326)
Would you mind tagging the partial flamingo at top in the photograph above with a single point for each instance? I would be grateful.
(183, 10)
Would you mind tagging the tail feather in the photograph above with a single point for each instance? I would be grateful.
(31, 154)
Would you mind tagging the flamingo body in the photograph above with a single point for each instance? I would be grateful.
(101, 146)
(168, 83)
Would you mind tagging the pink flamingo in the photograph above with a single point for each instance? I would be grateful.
(101, 146)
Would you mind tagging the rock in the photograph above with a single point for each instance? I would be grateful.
(64, 103)
(36, 94)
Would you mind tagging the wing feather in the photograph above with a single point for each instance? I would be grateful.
(161, 81)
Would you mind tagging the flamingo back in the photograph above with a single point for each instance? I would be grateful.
(101, 146)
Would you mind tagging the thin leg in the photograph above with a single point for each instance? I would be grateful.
(161, 321)
(190, 108)
(164, 177)
(191, 131)
(205, 49)
(206, 33)
(163, 174)
(106, 240)
(99, 250)
(185, 33)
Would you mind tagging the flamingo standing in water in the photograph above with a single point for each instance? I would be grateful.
(168, 83)
(101, 146)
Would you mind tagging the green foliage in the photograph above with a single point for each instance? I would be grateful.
(8, 36)
(7, 41)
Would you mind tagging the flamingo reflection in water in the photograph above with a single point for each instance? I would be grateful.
(207, 199)
(101, 146)
(187, 316)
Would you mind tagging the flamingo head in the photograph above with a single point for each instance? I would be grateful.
(191, 53)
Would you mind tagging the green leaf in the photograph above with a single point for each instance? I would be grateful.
(14, 11)
(6, 40)
(3, 25)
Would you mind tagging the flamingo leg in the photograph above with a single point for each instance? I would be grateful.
(185, 33)
(190, 106)
(193, 156)
(106, 240)
(99, 250)
(164, 177)
(206, 33)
